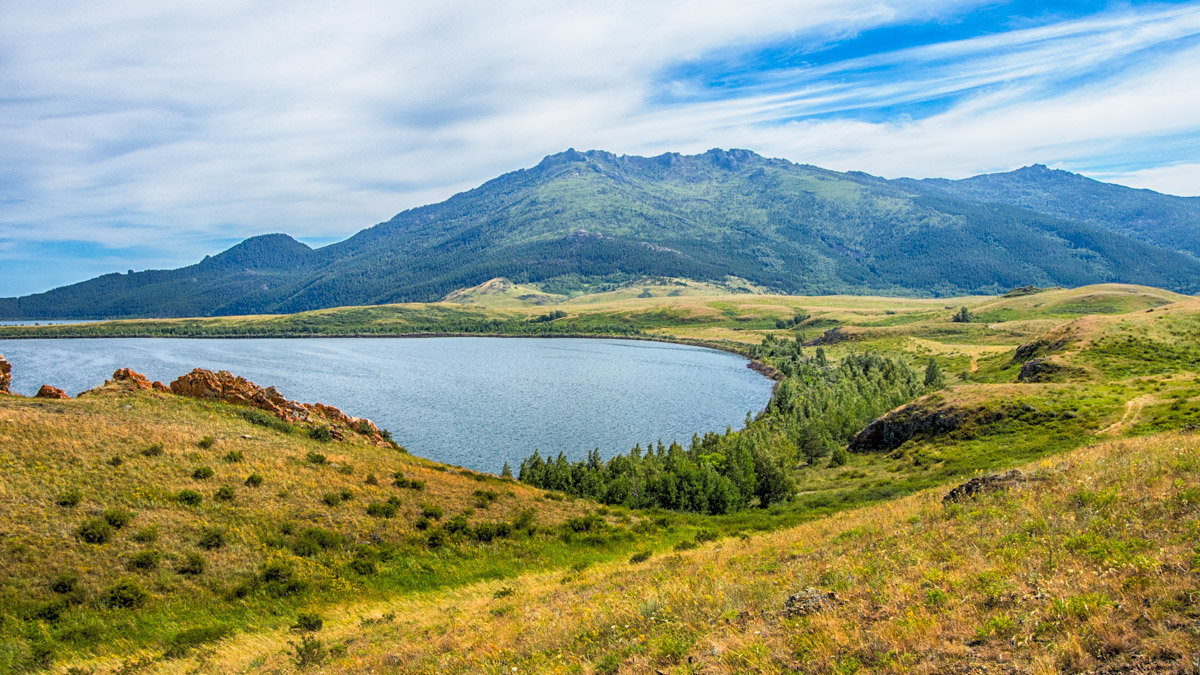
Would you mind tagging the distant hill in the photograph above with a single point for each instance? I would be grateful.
(579, 219)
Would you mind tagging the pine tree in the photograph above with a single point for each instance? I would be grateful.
(506, 472)
(934, 379)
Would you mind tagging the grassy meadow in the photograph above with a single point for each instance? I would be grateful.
(144, 532)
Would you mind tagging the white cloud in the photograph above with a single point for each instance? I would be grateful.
(141, 121)
(1175, 179)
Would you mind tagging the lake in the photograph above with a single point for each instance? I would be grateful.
(474, 402)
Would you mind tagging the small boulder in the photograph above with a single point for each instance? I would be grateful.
(5, 375)
(51, 392)
(808, 601)
(983, 484)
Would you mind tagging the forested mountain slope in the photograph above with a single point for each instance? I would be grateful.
(579, 218)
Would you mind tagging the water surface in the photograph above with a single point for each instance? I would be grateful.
(475, 402)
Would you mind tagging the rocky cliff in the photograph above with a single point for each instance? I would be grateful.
(5, 375)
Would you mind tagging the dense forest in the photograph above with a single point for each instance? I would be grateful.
(577, 217)
(817, 407)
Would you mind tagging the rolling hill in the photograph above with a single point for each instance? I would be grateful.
(582, 220)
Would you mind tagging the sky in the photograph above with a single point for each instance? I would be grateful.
(145, 134)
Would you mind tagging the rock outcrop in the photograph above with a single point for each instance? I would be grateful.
(126, 381)
(922, 417)
(983, 484)
(51, 392)
(5, 375)
(225, 386)
(1040, 369)
(808, 601)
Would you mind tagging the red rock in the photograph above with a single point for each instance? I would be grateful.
(50, 392)
(5, 375)
(127, 381)
(225, 386)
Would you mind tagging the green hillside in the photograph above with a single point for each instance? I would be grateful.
(580, 222)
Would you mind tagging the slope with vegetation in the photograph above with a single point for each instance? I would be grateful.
(822, 545)
(581, 222)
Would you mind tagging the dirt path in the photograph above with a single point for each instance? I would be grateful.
(1133, 407)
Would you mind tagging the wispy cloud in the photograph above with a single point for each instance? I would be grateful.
(162, 130)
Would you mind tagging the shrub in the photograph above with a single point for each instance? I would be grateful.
(381, 510)
(254, 480)
(118, 518)
(125, 594)
(308, 622)
(144, 560)
(211, 538)
(314, 540)
(224, 494)
(332, 498)
(234, 456)
(69, 499)
(316, 458)
(152, 450)
(202, 473)
(458, 525)
(371, 479)
(361, 566)
(639, 557)
(685, 545)
(322, 434)
(422, 523)
(65, 583)
(191, 565)
(95, 531)
(206, 442)
(189, 498)
(308, 652)
(706, 535)
(485, 532)
(484, 498)
(264, 419)
(116, 460)
(146, 535)
(347, 494)
(432, 511)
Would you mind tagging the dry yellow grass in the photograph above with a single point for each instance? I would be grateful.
(1089, 565)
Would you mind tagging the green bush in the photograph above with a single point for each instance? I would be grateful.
(146, 535)
(69, 499)
(65, 583)
(371, 479)
(116, 460)
(224, 494)
(308, 622)
(234, 456)
(308, 652)
(313, 540)
(254, 480)
(432, 511)
(144, 560)
(316, 458)
(152, 450)
(322, 434)
(422, 523)
(211, 538)
(381, 510)
(206, 442)
(640, 557)
(189, 498)
(118, 518)
(125, 594)
(202, 473)
(191, 564)
(361, 566)
(332, 498)
(95, 531)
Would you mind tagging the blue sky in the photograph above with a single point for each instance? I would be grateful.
(143, 134)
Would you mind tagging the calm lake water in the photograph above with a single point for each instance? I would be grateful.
(475, 402)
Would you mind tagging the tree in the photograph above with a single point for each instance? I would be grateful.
(934, 379)
(506, 472)
(963, 315)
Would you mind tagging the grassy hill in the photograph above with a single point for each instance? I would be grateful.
(584, 222)
(1086, 564)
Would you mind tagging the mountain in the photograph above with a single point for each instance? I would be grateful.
(581, 217)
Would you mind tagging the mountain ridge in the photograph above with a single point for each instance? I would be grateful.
(579, 218)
